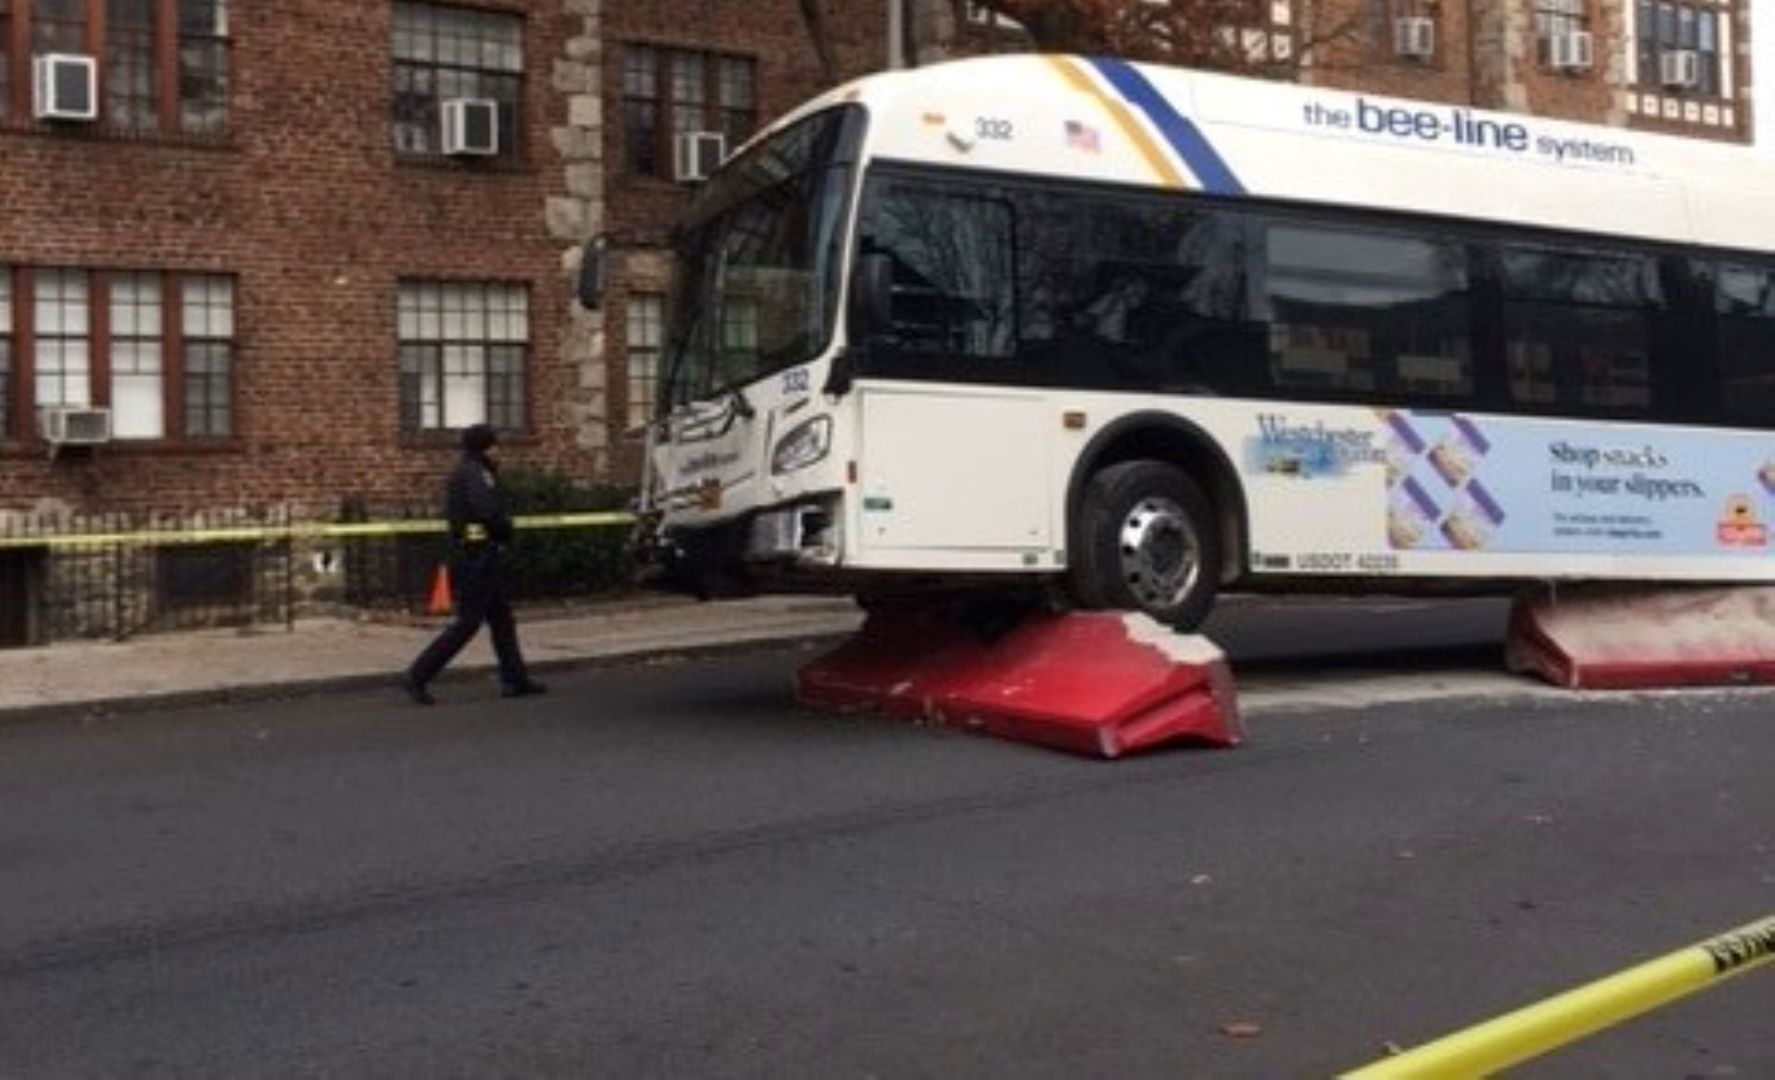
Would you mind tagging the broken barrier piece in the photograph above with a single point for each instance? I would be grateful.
(1096, 683)
(1612, 637)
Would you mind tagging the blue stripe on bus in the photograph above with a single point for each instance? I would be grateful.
(1183, 135)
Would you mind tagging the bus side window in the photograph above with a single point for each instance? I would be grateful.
(1744, 306)
(1132, 292)
(1367, 314)
(952, 265)
(1578, 329)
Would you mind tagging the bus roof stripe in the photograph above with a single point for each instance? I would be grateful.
(1179, 131)
(1155, 157)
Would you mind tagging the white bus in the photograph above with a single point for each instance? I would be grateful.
(1140, 334)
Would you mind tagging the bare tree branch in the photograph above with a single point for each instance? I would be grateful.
(813, 16)
(1221, 35)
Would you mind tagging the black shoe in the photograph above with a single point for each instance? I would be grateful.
(527, 688)
(417, 691)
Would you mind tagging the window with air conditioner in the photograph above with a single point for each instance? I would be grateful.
(1414, 36)
(66, 426)
(65, 87)
(1684, 46)
(458, 81)
(162, 367)
(699, 154)
(471, 127)
(153, 68)
(1679, 68)
(1572, 52)
(669, 93)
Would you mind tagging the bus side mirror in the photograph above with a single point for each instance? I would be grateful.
(592, 266)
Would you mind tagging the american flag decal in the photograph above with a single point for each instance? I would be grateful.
(1083, 137)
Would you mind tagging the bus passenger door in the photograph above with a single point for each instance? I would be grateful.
(958, 471)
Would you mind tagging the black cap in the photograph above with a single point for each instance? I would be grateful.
(478, 438)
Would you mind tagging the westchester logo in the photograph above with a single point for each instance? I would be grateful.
(1463, 128)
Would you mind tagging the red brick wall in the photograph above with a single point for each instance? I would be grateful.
(307, 206)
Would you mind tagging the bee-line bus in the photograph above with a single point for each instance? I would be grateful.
(1140, 334)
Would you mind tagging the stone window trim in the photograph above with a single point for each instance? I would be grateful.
(164, 66)
(19, 433)
(446, 50)
(663, 89)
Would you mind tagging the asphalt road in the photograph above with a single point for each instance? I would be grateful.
(671, 870)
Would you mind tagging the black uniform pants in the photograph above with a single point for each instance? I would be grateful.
(478, 596)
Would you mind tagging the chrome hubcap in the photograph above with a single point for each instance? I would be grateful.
(1161, 555)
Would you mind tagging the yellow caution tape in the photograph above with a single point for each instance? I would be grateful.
(1547, 1025)
(252, 534)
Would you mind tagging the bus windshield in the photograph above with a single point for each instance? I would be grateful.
(759, 259)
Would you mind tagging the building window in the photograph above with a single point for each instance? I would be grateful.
(150, 82)
(136, 361)
(203, 66)
(1412, 30)
(5, 351)
(138, 357)
(58, 26)
(645, 334)
(207, 318)
(1668, 31)
(445, 52)
(464, 355)
(61, 349)
(130, 101)
(1558, 20)
(697, 91)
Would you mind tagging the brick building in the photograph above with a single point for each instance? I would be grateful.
(261, 257)
(1675, 66)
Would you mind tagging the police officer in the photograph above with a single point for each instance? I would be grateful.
(480, 532)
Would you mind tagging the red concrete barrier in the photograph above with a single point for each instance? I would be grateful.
(1092, 683)
(1640, 637)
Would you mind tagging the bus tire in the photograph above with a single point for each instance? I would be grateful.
(1147, 541)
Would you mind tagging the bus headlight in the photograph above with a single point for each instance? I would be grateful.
(805, 445)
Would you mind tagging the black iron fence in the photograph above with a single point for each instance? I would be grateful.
(114, 576)
(118, 575)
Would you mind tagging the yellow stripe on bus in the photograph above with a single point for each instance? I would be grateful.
(1156, 158)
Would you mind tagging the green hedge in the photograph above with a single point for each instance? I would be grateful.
(549, 563)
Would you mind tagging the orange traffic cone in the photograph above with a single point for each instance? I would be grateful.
(439, 604)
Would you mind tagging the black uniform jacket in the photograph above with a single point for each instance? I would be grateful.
(475, 507)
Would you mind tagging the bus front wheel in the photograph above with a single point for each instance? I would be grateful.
(1147, 541)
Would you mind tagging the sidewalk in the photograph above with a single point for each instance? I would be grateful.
(336, 653)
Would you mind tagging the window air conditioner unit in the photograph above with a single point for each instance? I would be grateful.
(65, 87)
(63, 426)
(698, 155)
(1415, 36)
(1575, 51)
(1679, 68)
(471, 127)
